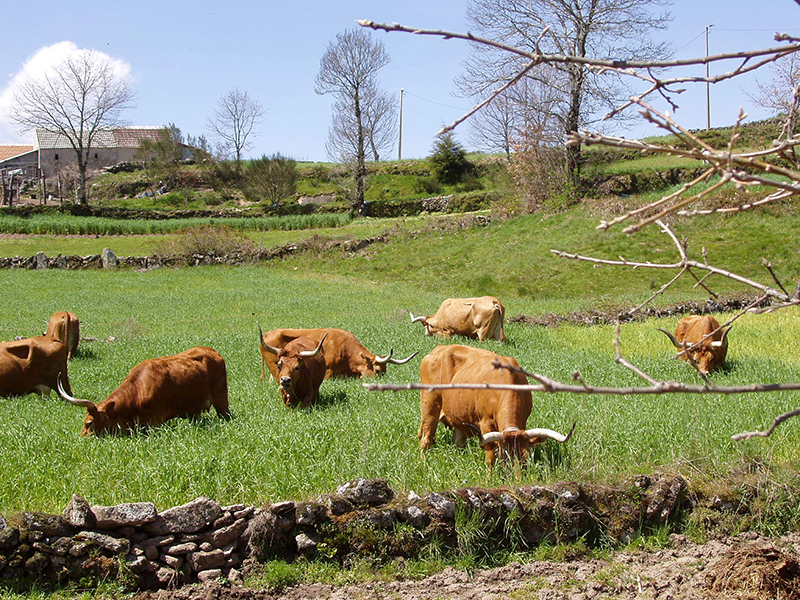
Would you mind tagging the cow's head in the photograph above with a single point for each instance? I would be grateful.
(514, 444)
(291, 359)
(376, 365)
(707, 354)
(99, 419)
(423, 320)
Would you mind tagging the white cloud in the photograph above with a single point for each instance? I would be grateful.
(37, 65)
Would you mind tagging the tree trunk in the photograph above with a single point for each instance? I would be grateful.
(83, 159)
(576, 77)
(359, 206)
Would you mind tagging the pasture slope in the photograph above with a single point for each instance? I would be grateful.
(744, 495)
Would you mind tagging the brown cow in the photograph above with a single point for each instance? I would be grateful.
(65, 327)
(480, 318)
(497, 416)
(159, 389)
(32, 365)
(301, 369)
(345, 356)
(706, 343)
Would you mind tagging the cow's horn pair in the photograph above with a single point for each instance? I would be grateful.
(310, 353)
(416, 319)
(395, 361)
(497, 436)
(76, 401)
(714, 344)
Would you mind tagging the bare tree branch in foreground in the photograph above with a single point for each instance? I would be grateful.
(775, 169)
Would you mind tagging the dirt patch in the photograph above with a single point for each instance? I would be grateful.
(743, 567)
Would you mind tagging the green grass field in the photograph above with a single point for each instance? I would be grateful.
(268, 452)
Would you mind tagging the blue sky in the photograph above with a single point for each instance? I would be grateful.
(184, 55)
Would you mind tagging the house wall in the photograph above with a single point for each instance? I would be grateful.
(98, 158)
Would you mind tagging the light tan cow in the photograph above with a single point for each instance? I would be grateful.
(498, 417)
(66, 327)
(705, 342)
(480, 318)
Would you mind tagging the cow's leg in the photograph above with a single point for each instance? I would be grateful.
(431, 409)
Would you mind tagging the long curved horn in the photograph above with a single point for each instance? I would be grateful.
(398, 361)
(550, 434)
(671, 337)
(490, 436)
(88, 404)
(416, 319)
(310, 353)
(264, 345)
(382, 360)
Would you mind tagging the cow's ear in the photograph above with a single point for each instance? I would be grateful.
(108, 407)
(366, 358)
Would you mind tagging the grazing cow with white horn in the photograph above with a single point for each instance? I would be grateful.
(65, 327)
(480, 318)
(32, 365)
(159, 389)
(301, 369)
(344, 355)
(703, 340)
(499, 417)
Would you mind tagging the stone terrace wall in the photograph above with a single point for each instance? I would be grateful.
(202, 540)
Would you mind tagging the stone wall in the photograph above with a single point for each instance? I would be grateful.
(202, 540)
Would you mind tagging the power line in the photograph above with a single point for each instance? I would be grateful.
(435, 102)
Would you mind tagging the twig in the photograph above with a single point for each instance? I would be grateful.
(778, 420)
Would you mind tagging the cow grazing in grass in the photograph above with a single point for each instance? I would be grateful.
(301, 368)
(703, 340)
(66, 327)
(32, 365)
(480, 318)
(344, 355)
(499, 417)
(159, 389)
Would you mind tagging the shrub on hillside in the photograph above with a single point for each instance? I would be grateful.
(449, 160)
(217, 240)
(270, 178)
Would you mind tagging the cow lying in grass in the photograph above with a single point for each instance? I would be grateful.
(344, 355)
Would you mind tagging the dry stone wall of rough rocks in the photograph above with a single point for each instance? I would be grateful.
(203, 540)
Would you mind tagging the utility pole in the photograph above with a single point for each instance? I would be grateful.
(708, 84)
(400, 143)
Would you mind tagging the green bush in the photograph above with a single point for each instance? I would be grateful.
(449, 160)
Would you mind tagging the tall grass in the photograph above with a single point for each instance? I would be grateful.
(268, 452)
(74, 225)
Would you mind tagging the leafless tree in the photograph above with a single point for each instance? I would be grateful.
(741, 169)
(614, 29)
(348, 70)
(379, 121)
(233, 123)
(780, 93)
(77, 98)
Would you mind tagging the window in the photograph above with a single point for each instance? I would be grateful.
(56, 156)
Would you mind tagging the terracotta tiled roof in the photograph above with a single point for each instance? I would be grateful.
(122, 137)
(131, 137)
(7, 151)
